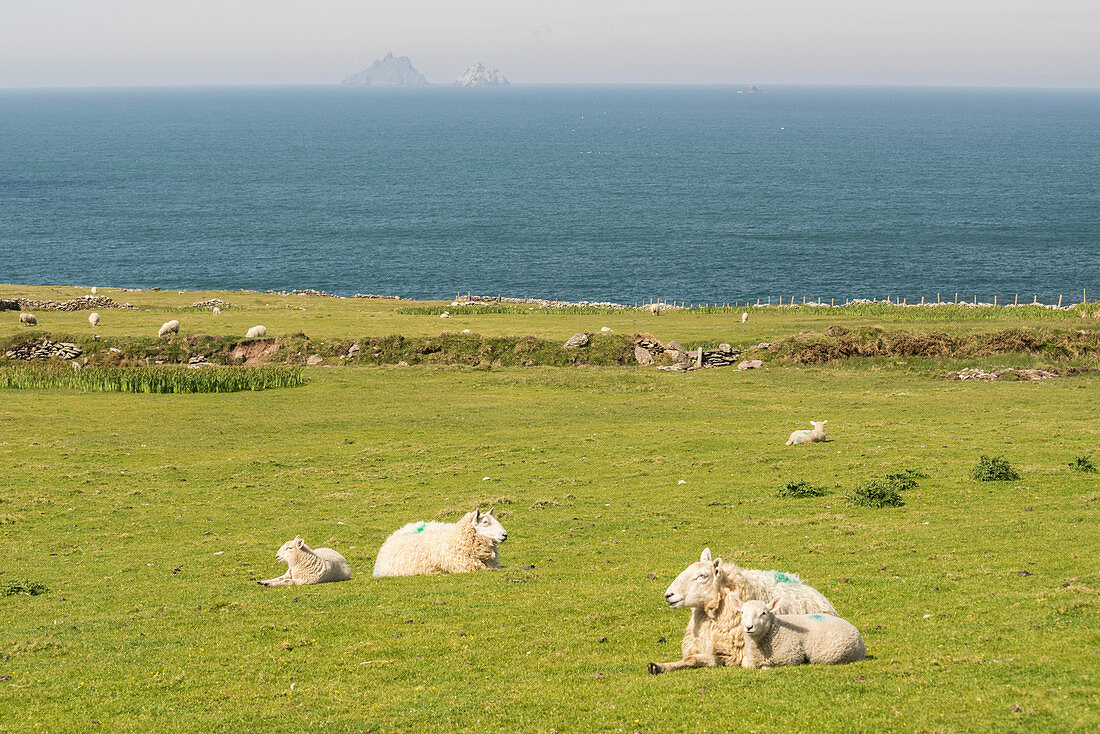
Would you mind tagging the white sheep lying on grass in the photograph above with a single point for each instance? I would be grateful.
(256, 332)
(792, 639)
(442, 547)
(307, 565)
(169, 327)
(28, 319)
(812, 436)
(714, 636)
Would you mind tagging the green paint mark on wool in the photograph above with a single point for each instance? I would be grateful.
(420, 527)
(784, 578)
(816, 616)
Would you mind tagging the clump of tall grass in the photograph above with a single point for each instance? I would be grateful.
(149, 379)
(1083, 464)
(993, 469)
(905, 479)
(26, 588)
(800, 489)
(876, 493)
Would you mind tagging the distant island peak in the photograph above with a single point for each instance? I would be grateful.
(389, 71)
(478, 76)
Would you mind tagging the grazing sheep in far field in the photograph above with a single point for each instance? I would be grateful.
(216, 311)
(744, 317)
(94, 290)
(817, 434)
(256, 332)
(792, 639)
(655, 309)
(442, 547)
(307, 565)
(28, 319)
(170, 327)
(93, 318)
(714, 636)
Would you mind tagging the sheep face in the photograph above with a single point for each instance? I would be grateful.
(756, 616)
(696, 584)
(819, 425)
(283, 554)
(488, 526)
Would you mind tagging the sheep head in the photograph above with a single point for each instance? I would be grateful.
(488, 526)
(283, 554)
(819, 425)
(756, 616)
(698, 585)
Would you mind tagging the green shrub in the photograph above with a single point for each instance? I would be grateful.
(993, 469)
(876, 493)
(1083, 463)
(159, 379)
(800, 489)
(904, 480)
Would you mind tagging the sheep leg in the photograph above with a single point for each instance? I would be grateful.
(284, 580)
(691, 661)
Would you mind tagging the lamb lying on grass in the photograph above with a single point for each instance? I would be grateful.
(792, 639)
(256, 332)
(442, 547)
(715, 636)
(309, 565)
(814, 436)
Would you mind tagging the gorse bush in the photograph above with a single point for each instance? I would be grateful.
(904, 480)
(159, 379)
(1083, 464)
(993, 469)
(801, 489)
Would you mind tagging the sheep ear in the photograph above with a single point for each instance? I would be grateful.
(774, 603)
(490, 512)
(824, 422)
(477, 515)
(298, 542)
(705, 555)
(717, 565)
(736, 603)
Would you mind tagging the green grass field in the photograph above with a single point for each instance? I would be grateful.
(149, 517)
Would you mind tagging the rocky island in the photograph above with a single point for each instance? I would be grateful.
(390, 71)
(478, 76)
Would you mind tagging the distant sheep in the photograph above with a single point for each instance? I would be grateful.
(814, 436)
(440, 547)
(307, 565)
(170, 327)
(744, 317)
(93, 319)
(715, 636)
(94, 290)
(28, 319)
(655, 309)
(216, 311)
(792, 639)
(256, 332)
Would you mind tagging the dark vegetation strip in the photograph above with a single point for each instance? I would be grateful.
(155, 379)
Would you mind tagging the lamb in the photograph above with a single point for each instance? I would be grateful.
(28, 319)
(439, 547)
(256, 332)
(216, 311)
(93, 318)
(170, 327)
(792, 639)
(307, 565)
(813, 436)
(714, 635)
(744, 317)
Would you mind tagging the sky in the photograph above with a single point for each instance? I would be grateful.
(1047, 43)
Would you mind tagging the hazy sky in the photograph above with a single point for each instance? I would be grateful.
(962, 42)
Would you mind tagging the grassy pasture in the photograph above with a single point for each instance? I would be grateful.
(150, 516)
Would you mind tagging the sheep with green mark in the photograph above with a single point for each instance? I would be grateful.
(442, 547)
(793, 639)
(714, 635)
(812, 436)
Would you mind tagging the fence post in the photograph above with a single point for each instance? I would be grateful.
(1059, 300)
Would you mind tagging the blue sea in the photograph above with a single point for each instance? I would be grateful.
(601, 193)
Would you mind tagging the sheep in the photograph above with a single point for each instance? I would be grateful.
(813, 436)
(256, 332)
(655, 309)
(93, 318)
(744, 317)
(438, 547)
(792, 639)
(216, 311)
(170, 327)
(714, 635)
(307, 565)
(94, 290)
(28, 319)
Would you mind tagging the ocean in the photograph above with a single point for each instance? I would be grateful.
(617, 193)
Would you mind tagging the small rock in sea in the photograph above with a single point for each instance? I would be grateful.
(577, 340)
